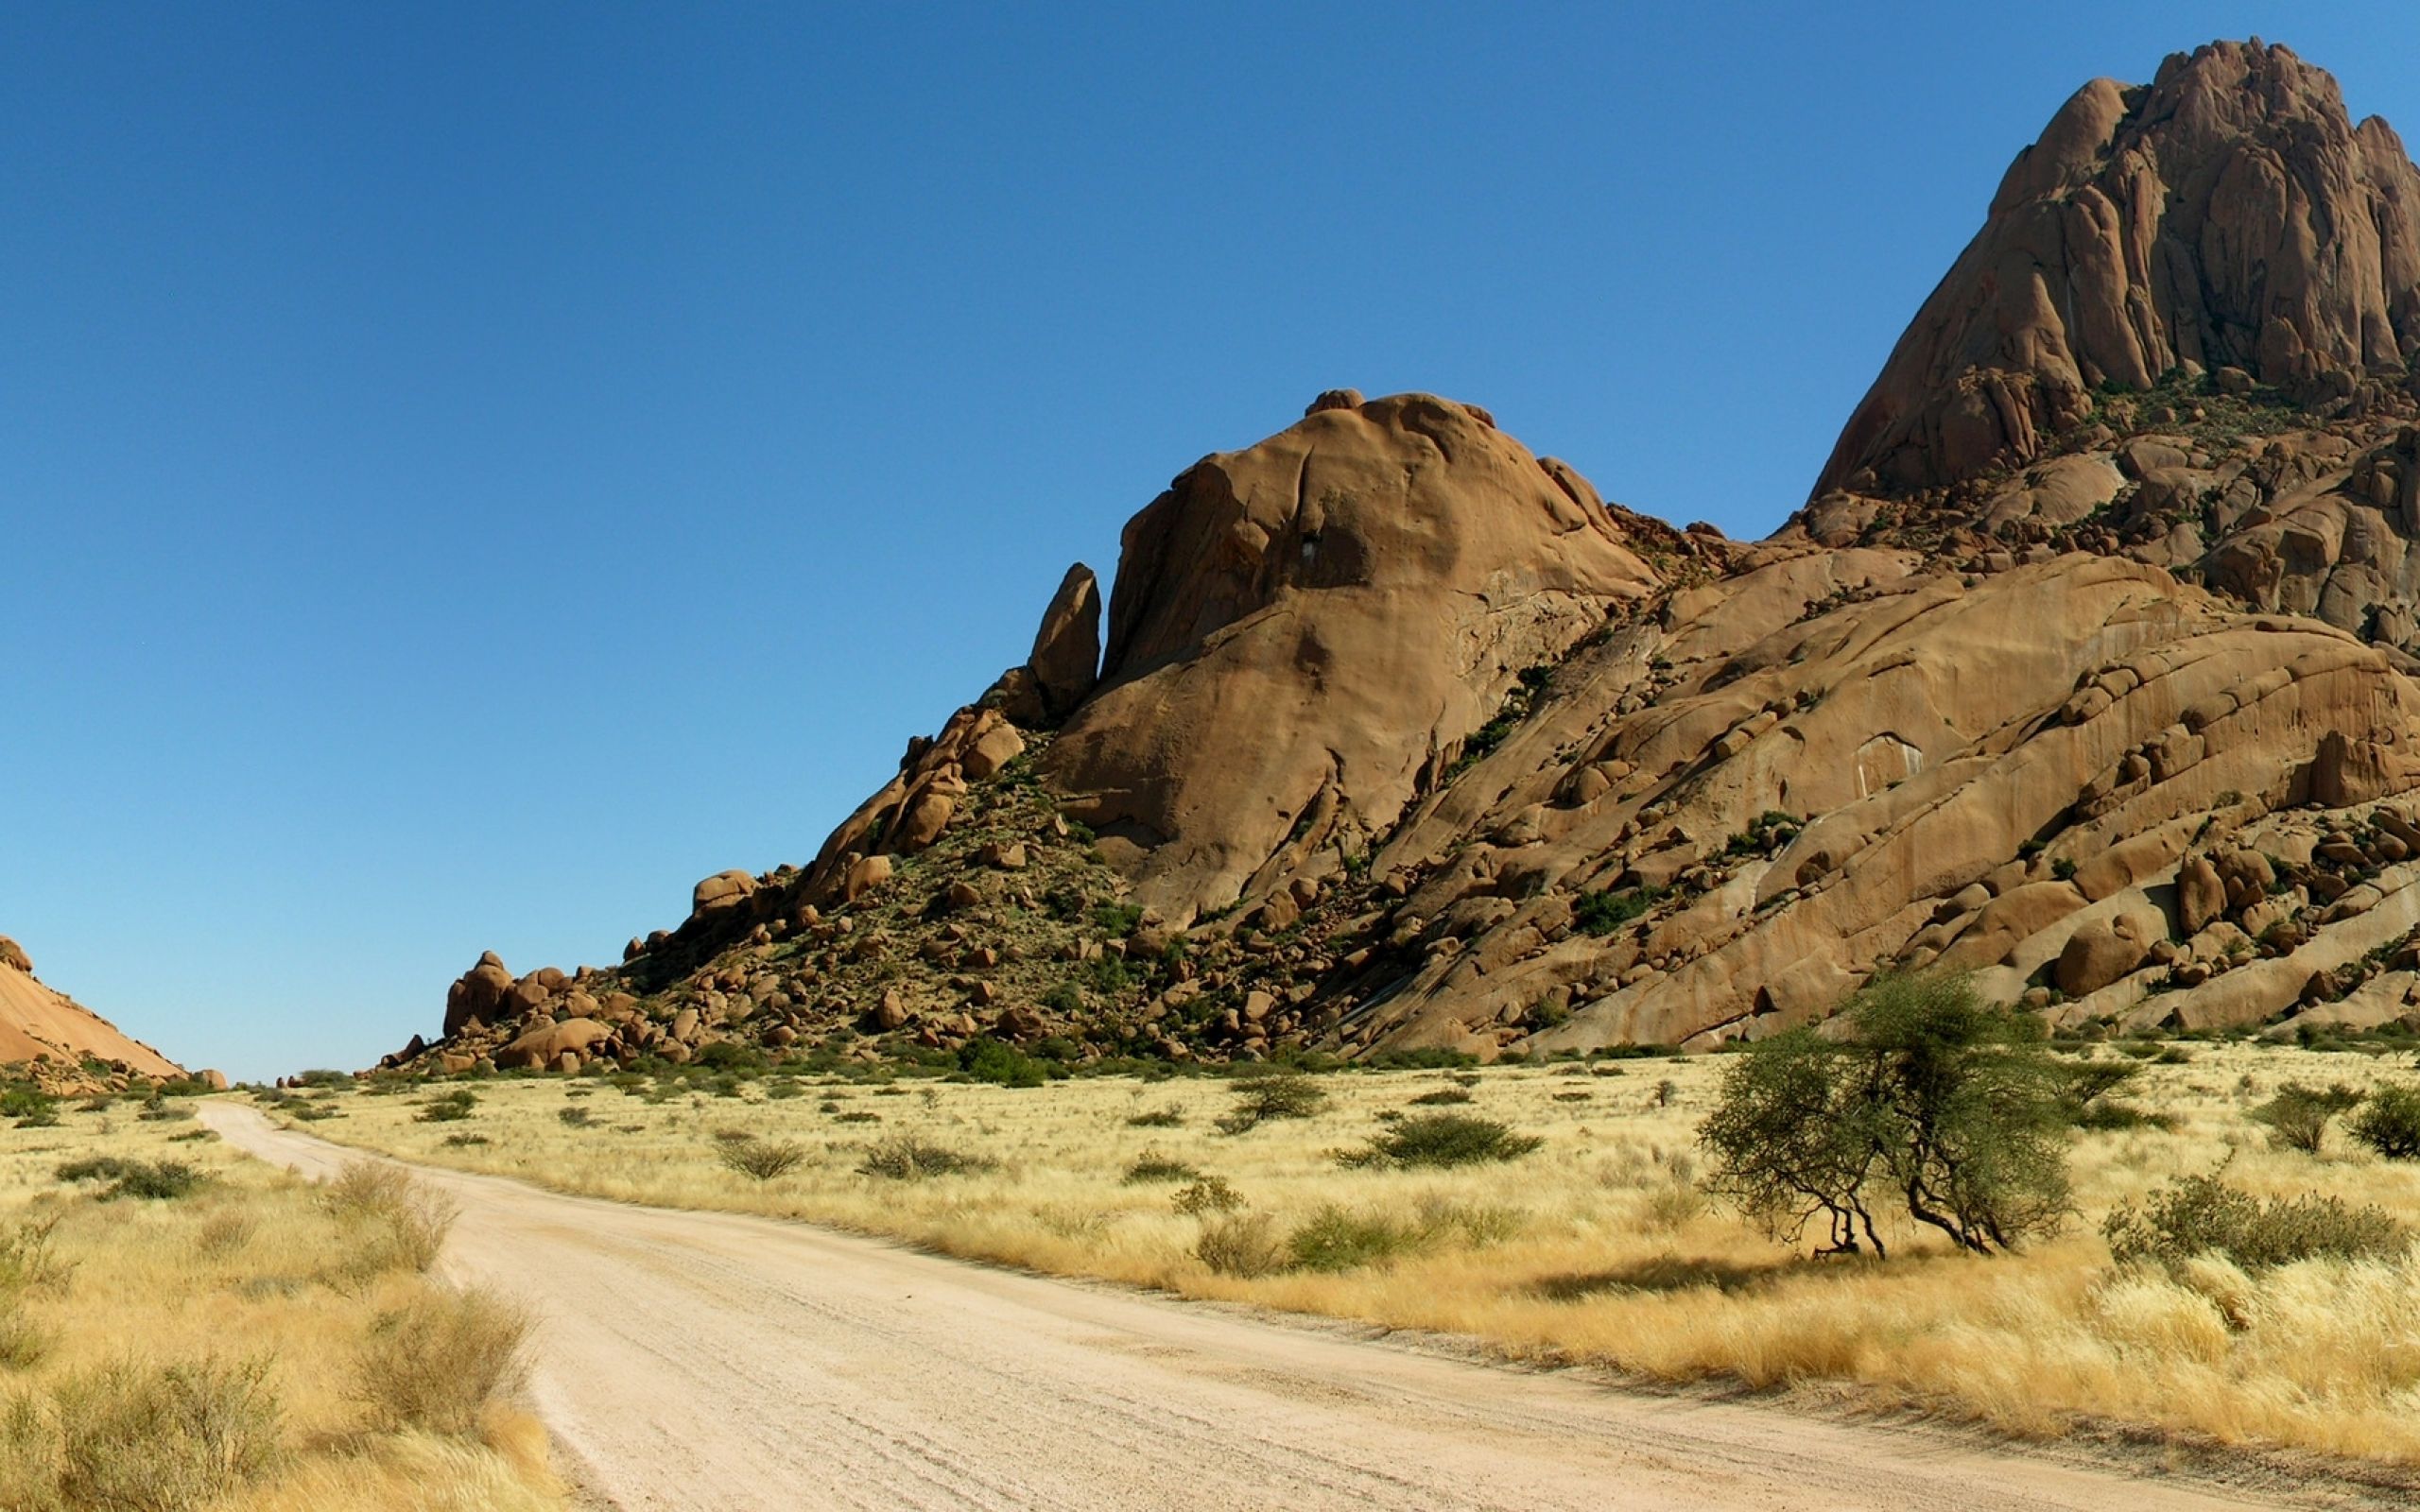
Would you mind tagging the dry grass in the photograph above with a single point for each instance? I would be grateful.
(1596, 1246)
(221, 1348)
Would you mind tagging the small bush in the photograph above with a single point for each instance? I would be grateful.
(159, 1180)
(464, 1141)
(1440, 1097)
(907, 1157)
(2298, 1115)
(985, 1058)
(2202, 1214)
(154, 1439)
(435, 1363)
(1159, 1168)
(1117, 921)
(2389, 1122)
(761, 1160)
(1281, 1094)
(22, 1342)
(1207, 1194)
(1444, 1139)
(1156, 1117)
(1242, 1243)
(575, 1117)
(25, 1258)
(1601, 912)
(451, 1108)
(1333, 1239)
(406, 1220)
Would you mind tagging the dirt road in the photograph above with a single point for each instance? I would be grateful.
(697, 1361)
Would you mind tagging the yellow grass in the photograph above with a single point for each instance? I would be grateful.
(1607, 1254)
(251, 1267)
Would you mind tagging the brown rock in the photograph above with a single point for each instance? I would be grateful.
(866, 874)
(2103, 951)
(546, 1047)
(1004, 857)
(2230, 214)
(1065, 664)
(478, 994)
(2201, 896)
(721, 893)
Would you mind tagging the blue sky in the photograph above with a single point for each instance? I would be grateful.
(468, 472)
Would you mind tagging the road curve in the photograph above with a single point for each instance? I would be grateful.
(697, 1361)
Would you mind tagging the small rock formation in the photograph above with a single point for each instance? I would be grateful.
(2228, 215)
(478, 993)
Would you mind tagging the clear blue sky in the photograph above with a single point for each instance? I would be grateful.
(467, 473)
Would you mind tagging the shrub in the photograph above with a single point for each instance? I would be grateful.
(466, 1140)
(1156, 1117)
(988, 1059)
(1064, 997)
(1440, 1097)
(1241, 1243)
(2202, 1214)
(1333, 1239)
(761, 1160)
(450, 1107)
(1601, 912)
(2298, 1115)
(2389, 1122)
(907, 1157)
(159, 1438)
(1947, 1104)
(22, 1342)
(1275, 1096)
(1206, 1196)
(25, 1258)
(1444, 1139)
(30, 1106)
(435, 1363)
(159, 1180)
(1159, 1168)
(406, 1220)
(1117, 921)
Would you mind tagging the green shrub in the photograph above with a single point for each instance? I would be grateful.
(156, 1180)
(2389, 1122)
(1601, 912)
(907, 1157)
(1272, 1095)
(1933, 1097)
(1441, 1096)
(987, 1059)
(1117, 921)
(1444, 1139)
(1150, 1168)
(2202, 1214)
(575, 1117)
(1064, 997)
(1156, 1117)
(1333, 1239)
(447, 1107)
(2298, 1115)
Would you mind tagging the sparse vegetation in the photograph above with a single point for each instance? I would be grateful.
(2203, 1215)
(909, 1157)
(1601, 912)
(1933, 1099)
(761, 1159)
(2298, 1115)
(1445, 1139)
(2389, 1122)
(1276, 1095)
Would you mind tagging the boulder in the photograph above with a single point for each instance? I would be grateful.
(13, 956)
(1065, 663)
(478, 994)
(721, 893)
(2106, 948)
(543, 1047)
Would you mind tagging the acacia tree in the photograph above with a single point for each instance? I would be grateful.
(1948, 1104)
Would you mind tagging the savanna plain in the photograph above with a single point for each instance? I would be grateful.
(183, 1327)
(2257, 1291)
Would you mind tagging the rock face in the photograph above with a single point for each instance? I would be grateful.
(1401, 736)
(2229, 215)
(1308, 632)
(53, 1036)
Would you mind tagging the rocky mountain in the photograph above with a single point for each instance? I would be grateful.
(60, 1043)
(2089, 668)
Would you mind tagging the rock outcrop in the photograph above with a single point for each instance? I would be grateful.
(2094, 670)
(1308, 632)
(2229, 217)
(59, 1040)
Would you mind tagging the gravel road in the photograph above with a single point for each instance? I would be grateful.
(696, 1361)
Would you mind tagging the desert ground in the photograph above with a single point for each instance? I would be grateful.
(182, 1328)
(1598, 1249)
(699, 1359)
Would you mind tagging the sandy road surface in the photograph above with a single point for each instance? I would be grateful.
(699, 1361)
